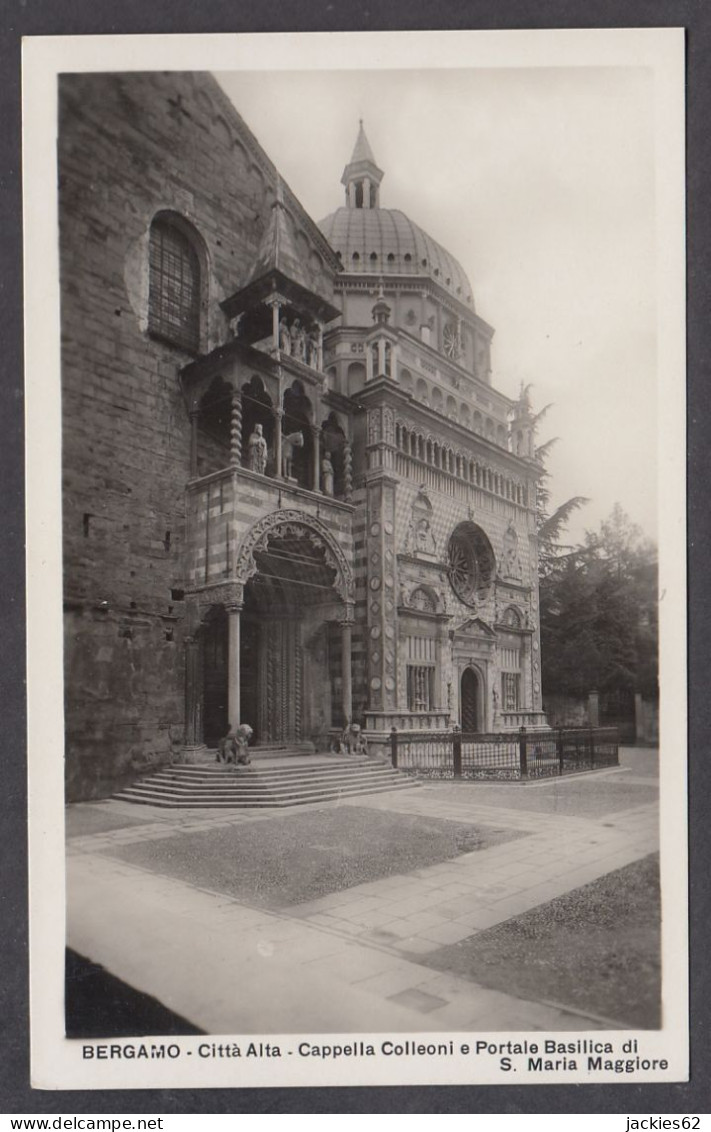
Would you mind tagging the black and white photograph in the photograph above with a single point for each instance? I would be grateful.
(356, 558)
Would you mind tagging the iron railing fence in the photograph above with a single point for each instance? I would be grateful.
(507, 756)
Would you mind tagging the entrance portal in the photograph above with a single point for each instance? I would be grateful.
(290, 678)
(469, 701)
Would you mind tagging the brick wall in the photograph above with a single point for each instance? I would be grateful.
(129, 146)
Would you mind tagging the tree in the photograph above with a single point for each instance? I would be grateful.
(549, 527)
(599, 613)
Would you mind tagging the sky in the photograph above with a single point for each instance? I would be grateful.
(541, 183)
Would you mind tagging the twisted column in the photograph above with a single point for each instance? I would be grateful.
(236, 428)
(348, 472)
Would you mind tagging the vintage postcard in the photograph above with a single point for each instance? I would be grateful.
(356, 558)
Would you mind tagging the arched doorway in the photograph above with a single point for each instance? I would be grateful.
(291, 631)
(469, 701)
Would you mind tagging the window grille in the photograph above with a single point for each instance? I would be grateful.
(510, 689)
(174, 295)
(420, 687)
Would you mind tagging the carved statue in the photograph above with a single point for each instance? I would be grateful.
(288, 444)
(353, 741)
(298, 340)
(257, 451)
(423, 534)
(284, 336)
(512, 562)
(234, 748)
(327, 476)
(313, 344)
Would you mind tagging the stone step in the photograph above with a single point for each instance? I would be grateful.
(238, 800)
(312, 763)
(247, 780)
(248, 775)
(254, 789)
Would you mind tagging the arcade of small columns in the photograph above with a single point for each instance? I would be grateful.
(441, 456)
(235, 457)
(276, 302)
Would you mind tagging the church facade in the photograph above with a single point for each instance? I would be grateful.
(293, 497)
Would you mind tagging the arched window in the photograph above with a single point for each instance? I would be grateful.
(174, 298)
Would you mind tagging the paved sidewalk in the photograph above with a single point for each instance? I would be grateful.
(348, 961)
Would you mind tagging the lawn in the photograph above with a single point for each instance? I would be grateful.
(595, 949)
(291, 859)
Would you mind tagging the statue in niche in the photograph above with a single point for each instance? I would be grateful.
(327, 475)
(258, 451)
(420, 536)
(312, 348)
(512, 563)
(298, 340)
(421, 600)
(288, 444)
(284, 336)
(423, 535)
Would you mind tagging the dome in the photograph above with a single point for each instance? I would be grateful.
(384, 241)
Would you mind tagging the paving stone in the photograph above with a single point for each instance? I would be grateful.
(446, 933)
(416, 946)
(419, 1000)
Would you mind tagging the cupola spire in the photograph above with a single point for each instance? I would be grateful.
(361, 175)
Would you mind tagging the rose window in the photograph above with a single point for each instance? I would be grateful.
(450, 341)
(470, 562)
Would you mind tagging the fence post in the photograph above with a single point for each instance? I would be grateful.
(522, 754)
(393, 747)
(591, 736)
(457, 750)
(560, 749)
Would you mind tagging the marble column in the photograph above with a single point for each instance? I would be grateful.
(316, 480)
(320, 346)
(233, 668)
(278, 414)
(276, 315)
(347, 679)
(438, 673)
(193, 697)
(194, 415)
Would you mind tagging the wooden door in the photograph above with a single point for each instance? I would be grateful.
(469, 701)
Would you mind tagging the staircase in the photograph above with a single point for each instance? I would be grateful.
(294, 779)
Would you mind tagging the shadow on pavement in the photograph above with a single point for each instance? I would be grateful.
(98, 1005)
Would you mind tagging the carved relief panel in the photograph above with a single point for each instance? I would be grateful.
(382, 591)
